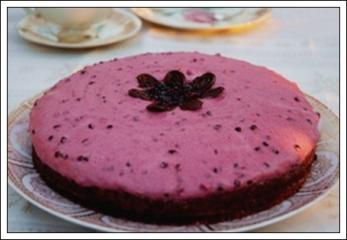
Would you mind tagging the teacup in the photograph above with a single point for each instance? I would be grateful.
(73, 18)
(74, 22)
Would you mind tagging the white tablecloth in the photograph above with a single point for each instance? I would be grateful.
(301, 44)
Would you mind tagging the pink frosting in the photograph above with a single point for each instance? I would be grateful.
(72, 118)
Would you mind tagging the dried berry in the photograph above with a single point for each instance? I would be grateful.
(82, 158)
(164, 164)
(172, 151)
(214, 92)
(253, 127)
(157, 107)
(238, 129)
(139, 94)
(147, 81)
(191, 105)
(275, 151)
(297, 147)
(63, 139)
(203, 82)
(266, 164)
(174, 91)
(174, 79)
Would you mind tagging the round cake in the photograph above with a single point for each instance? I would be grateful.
(174, 138)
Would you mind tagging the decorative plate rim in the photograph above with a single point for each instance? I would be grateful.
(110, 229)
(14, 113)
(236, 26)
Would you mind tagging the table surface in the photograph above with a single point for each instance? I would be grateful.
(300, 43)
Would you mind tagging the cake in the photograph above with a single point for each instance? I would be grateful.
(174, 138)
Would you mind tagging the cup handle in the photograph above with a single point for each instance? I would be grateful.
(29, 11)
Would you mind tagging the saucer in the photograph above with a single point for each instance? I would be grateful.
(205, 18)
(119, 26)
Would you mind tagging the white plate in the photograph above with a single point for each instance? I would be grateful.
(119, 26)
(23, 177)
(205, 18)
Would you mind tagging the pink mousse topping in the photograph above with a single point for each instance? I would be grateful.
(90, 130)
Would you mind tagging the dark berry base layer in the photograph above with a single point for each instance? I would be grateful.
(220, 206)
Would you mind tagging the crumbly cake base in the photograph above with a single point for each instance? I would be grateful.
(220, 206)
